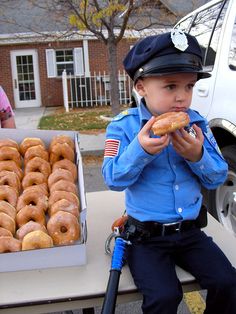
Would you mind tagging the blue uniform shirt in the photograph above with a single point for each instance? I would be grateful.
(163, 187)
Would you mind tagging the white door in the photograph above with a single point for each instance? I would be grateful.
(25, 74)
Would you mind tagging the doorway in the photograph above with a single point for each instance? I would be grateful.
(25, 74)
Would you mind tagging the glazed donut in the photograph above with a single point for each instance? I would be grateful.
(39, 188)
(58, 195)
(62, 139)
(30, 212)
(36, 151)
(64, 228)
(169, 122)
(36, 240)
(59, 174)
(5, 233)
(61, 151)
(8, 209)
(64, 185)
(10, 165)
(32, 198)
(65, 206)
(10, 153)
(9, 244)
(66, 164)
(8, 223)
(33, 178)
(10, 178)
(28, 227)
(9, 143)
(9, 194)
(39, 165)
(29, 142)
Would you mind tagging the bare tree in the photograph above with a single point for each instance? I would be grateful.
(108, 20)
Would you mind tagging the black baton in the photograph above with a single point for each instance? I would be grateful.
(117, 263)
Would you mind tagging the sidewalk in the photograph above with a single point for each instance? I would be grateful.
(90, 144)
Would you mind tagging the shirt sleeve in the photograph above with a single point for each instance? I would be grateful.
(212, 168)
(124, 160)
(6, 111)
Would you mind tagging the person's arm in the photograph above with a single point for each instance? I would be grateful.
(202, 155)
(9, 123)
(6, 112)
(124, 160)
(211, 168)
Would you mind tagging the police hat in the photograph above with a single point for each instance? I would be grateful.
(168, 53)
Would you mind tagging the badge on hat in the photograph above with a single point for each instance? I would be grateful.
(179, 39)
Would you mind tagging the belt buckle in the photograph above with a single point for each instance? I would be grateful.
(178, 227)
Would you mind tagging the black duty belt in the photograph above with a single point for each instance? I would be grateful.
(152, 228)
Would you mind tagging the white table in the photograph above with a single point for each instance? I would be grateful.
(60, 289)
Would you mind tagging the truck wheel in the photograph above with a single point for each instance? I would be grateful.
(222, 201)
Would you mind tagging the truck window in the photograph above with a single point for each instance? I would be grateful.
(232, 51)
(205, 22)
(212, 49)
(185, 24)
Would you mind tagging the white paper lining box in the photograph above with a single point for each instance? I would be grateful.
(57, 256)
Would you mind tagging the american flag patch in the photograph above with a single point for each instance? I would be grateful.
(111, 147)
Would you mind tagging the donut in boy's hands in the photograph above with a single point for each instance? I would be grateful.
(169, 122)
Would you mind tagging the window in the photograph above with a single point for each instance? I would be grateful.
(232, 51)
(185, 24)
(205, 22)
(59, 60)
(64, 61)
(25, 75)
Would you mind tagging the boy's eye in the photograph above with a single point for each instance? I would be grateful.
(190, 86)
(170, 87)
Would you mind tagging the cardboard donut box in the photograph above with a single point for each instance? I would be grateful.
(57, 256)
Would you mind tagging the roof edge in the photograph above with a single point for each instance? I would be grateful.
(31, 37)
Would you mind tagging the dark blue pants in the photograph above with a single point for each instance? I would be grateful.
(152, 264)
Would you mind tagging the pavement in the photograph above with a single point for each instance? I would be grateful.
(90, 144)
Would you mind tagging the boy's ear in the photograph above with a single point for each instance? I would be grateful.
(139, 86)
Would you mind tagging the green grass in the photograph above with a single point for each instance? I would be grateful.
(77, 120)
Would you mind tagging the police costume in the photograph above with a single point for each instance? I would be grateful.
(162, 191)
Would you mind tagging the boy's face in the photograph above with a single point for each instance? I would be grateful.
(168, 92)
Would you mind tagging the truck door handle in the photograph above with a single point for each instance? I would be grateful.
(203, 90)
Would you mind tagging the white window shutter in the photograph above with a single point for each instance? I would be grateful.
(78, 61)
(51, 63)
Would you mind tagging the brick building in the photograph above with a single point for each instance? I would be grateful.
(31, 72)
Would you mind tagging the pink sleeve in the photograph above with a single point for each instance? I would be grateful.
(5, 105)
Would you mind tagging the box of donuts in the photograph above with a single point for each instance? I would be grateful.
(42, 200)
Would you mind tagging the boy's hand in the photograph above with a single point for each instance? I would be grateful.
(152, 145)
(186, 145)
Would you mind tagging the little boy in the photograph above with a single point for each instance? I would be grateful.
(162, 178)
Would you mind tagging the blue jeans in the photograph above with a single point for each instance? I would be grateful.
(152, 265)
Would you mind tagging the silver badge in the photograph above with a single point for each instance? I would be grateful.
(179, 39)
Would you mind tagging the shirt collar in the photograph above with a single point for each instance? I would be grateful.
(144, 113)
(194, 116)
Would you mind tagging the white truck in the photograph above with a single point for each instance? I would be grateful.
(214, 26)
